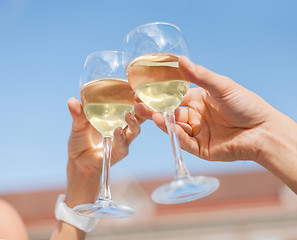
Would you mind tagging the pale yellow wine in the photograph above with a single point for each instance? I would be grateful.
(106, 102)
(157, 81)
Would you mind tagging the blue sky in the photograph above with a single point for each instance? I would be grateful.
(43, 45)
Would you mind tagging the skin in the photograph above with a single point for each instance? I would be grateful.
(10, 217)
(85, 155)
(223, 121)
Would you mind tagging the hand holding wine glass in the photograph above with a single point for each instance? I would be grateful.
(224, 121)
(85, 154)
(216, 119)
(107, 99)
(152, 54)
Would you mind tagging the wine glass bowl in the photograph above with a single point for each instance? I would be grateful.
(105, 102)
(157, 81)
(106, 98)
(157, 37)
(151, 55)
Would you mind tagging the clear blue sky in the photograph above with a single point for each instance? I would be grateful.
(43, 45)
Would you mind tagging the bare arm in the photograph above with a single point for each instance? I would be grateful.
(11, 225)
(84, 163)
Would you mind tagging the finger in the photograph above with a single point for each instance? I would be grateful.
(216, 84)
(181, 115)
(143, 111)
(133, 128)
(186, 128)
(182, 119)
(120, 147)
(159, 121)
(196, 96)
(187, 142)
(183, 128)
(79, 120)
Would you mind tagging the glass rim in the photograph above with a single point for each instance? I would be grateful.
(154, 23)
(133, 31)
(104, 51)
(121, 76)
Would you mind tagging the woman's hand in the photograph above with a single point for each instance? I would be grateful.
(85, 154)
(221, 121)
(224, 121)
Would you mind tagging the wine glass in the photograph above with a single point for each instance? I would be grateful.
(106, 98)
(151, 54)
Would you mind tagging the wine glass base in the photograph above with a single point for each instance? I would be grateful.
(185, 190)
(104, 209)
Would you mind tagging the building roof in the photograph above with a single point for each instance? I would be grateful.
(242, 197)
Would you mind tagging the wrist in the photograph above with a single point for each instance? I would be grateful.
(278, 151)
(278, 139)
(65, 214)
(84, 191)
(82, 187)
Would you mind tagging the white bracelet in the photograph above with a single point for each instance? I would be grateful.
(66, 214)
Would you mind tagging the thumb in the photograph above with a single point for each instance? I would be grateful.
(214, 83)
(79, 119)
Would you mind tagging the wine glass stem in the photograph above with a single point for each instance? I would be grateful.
(105, 176)
(180, 168)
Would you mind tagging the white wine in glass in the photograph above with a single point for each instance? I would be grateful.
(106, 98)
(106, 102)
(154, 75)
(157, 81)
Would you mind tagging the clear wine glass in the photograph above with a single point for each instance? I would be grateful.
(151, 54)
(106, 98)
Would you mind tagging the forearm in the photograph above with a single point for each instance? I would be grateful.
(279, 150)
(81, 188)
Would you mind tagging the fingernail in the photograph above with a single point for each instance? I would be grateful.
(132, 117)
(119, 131)
(70, 100)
